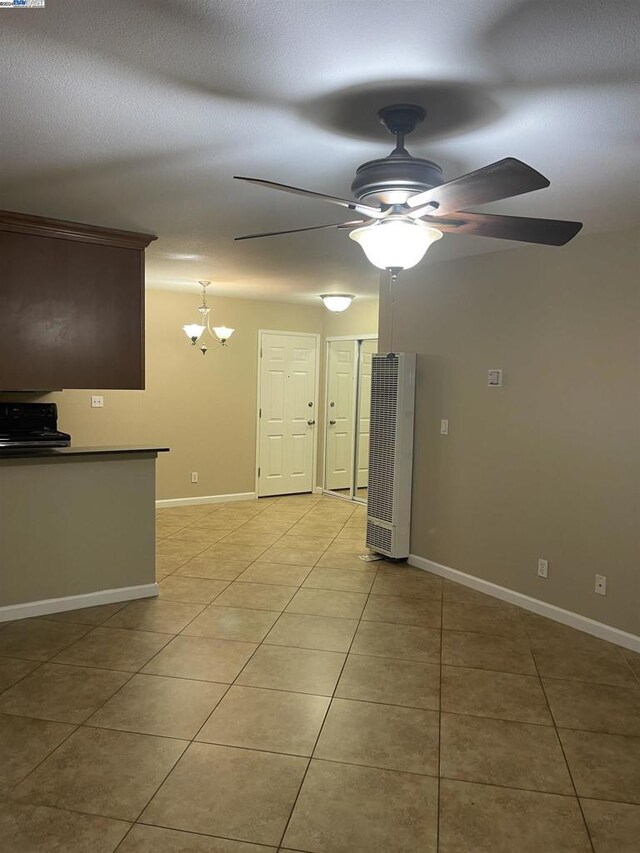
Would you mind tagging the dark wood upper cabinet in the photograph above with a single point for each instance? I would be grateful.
(71, 305)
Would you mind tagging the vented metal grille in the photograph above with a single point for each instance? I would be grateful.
(382, 436)
(378, 538)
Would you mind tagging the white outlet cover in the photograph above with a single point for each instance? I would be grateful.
(97, 401)
(601, 585)
(543, 568)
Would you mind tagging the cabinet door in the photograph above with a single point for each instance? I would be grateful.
(71, 314)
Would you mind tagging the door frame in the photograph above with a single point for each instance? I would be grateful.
(370, 336)
(316, 392)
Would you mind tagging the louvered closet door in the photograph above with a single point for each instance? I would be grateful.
(287, 387)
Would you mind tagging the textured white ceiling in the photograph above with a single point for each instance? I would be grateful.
(136, 113)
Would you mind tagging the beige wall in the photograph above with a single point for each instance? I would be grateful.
(549, 465)
(202, 407)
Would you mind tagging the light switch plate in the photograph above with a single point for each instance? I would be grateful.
(444, 427)
(494, 378)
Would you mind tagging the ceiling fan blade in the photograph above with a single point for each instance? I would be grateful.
(504, 179)
(352, 224)
(550, 232)
(343, 202)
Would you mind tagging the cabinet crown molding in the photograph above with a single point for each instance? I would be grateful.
(59, 228)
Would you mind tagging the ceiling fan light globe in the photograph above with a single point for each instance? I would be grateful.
(337, 302)
(223, 333)
(193, 331)
(395, 243)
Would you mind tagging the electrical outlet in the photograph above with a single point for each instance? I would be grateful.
(601, 584)
(194, 476)
(543, 568)
(444, 427)
(97, 401)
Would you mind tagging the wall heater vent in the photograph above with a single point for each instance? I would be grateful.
(391, 453)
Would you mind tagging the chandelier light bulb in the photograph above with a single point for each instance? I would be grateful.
(337, 302)
(395, 242)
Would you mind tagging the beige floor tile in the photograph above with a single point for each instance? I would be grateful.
(40, 829)
(274, 573)
(603, 665)
(103, 772)
(213, 568)
(348, 809)
(594, 707)
(165, 564)
(500, 695)
(305, 543)
(325, 602)
(154, 839)
(191, 590)
(179, 548)
(256, 596)
(613, 827)
(290, 556)
(409, 586)
(297, 670)
(403, 611)
(386, 736)
(232, 623)
(38, 639)
(204, 537)
(251, 537)
(88, 615)
(349, 561)
(484, 651)
(406, 642)
(114, 648)
(14, 669)
(68, 694)
(202, 659)
(633, 659)
(604, 767)
(271, 720)
(231, 552)
(24, 743)
(487, 819)
(344, 580)
(499, 620)
(155, 705)
(501, 752)
(155, 614)
(313, 632)
(457, 593)
(351, 545)
(237, 793)
(394, 682)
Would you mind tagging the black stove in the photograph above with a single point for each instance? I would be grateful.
(25, 425)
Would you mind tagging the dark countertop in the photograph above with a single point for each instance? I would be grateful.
(64, 452)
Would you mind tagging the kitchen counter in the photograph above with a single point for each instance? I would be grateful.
(77, 528)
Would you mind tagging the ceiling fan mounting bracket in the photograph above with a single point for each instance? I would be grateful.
(401, 119)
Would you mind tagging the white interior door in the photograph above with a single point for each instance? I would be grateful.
(367, 349)
(288, 365)
(340, 414)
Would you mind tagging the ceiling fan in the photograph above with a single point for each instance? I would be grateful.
(406, 205)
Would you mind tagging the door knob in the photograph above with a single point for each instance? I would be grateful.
(311, 423)
(332, 423)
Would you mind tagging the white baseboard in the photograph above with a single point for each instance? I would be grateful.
(206, 499)
(542, 608)
(47, 606)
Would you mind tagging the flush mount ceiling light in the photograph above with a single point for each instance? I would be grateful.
(406, 204)
(337, 302)
(194, 331)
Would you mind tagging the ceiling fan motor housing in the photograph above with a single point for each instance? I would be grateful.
(393, 179)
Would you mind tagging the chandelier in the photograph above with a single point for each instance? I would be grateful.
(194, 331)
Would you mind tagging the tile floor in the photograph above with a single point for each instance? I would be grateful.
(281, 694)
